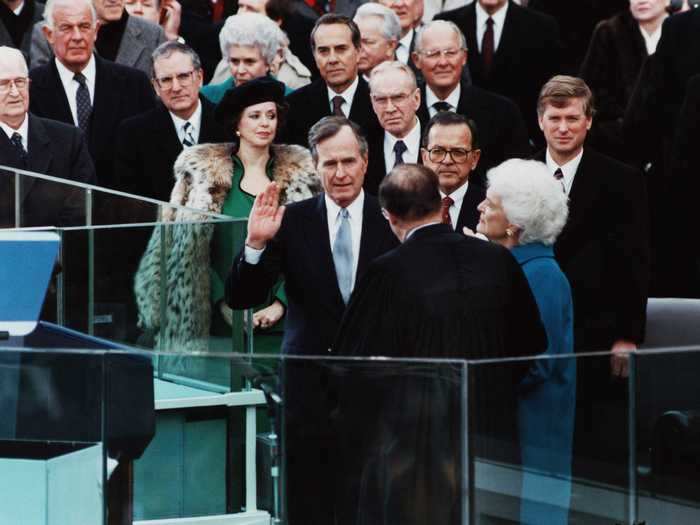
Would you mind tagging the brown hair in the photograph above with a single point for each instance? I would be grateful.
(559, 91)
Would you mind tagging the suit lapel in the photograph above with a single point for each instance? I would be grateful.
(54, 96)
(468, 214)
(105, 102)
(509, 39)
(209, 131)
(359, 112)
(371, 235)
(422, 113)
(169, 143)
(474, 62)
(130, 48)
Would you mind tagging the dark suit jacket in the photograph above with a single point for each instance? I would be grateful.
(54, 149)
(604, 252)
(502, 132)
(376, 167)
(309, 104)
(6, 39)
(468, 214)
(528, 54)
(147, 146)
(120, 92)
(302, 253)
(610, 69)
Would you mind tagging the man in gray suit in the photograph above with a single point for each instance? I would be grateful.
(124, 39)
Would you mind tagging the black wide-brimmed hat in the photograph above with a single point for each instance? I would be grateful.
(235, 100)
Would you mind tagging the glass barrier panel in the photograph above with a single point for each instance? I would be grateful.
(549, 441)
(667, 424)
(58, 445)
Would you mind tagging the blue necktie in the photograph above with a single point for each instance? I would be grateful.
(83, 105)
(342, 256)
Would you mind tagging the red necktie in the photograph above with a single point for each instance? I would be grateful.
(487, 46)
(446, 203)
(337, 106)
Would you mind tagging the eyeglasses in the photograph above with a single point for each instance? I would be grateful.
(450, 53)
(396, 100)
(183, 79)
(20, 83)
(458, 155)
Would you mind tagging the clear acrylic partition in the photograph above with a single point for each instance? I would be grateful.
(546, 448)
(667, 426)
(58, 446)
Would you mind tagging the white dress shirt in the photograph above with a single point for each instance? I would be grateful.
(569, 169)
(403, 50)
(452, 99)
(347, 95)
(355, 212)
(651, 40)
(499, 18)
(412, 141)
(457, 197)
(17, 10)
(195, 121)
(70, 85)
(23, 130)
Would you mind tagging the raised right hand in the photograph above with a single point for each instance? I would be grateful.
(265, 218)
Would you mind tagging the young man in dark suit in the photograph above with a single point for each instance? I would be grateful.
(513, 51)
(441, 56)
(322, 246)
(148, 144)
(80, 88)
(335, 41)
(604, 253)
(40, 145)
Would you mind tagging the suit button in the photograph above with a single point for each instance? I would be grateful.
(329, 350)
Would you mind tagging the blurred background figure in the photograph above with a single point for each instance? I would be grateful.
(165, 13)
(380, 31)
(17, 18)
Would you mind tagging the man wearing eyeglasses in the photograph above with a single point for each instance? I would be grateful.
(40, 145)
(395, 99)
(451, 150)
(82, 89)
(441, 55)
(148, 144)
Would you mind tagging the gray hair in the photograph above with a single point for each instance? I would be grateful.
(391, 26)
(445, 25)
(532, 199)
(393, 65)
(52, 4)
(173, 46)
(9, 53)
(252, 29)
(329, 127)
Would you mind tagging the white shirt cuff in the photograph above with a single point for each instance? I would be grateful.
(251, 255)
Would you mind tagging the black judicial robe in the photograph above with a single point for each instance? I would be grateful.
(438, 295)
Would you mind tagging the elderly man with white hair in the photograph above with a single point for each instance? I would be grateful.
(380, 30)
(525, 210)
(253, 46)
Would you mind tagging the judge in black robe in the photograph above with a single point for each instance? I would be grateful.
(438, 295)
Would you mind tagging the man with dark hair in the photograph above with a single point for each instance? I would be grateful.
(451, 150)
(439, 295)
(322, 246)
(148, 144)
(335, 41)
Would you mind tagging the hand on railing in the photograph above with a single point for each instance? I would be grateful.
(267, 317)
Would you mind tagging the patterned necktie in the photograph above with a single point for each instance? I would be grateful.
(337, 106)
(446, 203)
(559, 175)
(16, 140)
(442, 106)
(82, 99)
(342, 256)
(487, 46)
(187, 137)
(399, 149)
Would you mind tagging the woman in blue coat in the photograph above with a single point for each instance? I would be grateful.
(525, 209)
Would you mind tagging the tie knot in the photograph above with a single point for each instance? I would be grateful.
(80, 79)
(186, 126)
(344, 213)
(442, 106)
(400, 147)
(489, 22)
(16, 139)
(558, 174)
(337, 105)
(447, 201)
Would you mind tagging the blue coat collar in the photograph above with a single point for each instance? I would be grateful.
(526, 252)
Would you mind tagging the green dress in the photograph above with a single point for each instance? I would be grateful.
(238, 204)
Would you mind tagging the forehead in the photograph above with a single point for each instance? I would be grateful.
(262, 106)
(241, 52)
(439, 37)
(390, 81)
(369, 25)
(341, 145)
(71, 13)
(332, 35)
(175, 60)
(12, 67)
(573, 107)
(254, 4)
(454, 135)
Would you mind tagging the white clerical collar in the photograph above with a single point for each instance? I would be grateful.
(568, 170)
(457, 196)
(195, 120)
(499, 17)
(452, 99)
(347, 95)
(89, 72)
(354, 208)
(651, 40)
(23, 130)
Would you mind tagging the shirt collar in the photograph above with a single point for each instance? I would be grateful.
(194, 119)
(499, 17)
(18, 9)
(457, 196)
(354, 209)
(568, 170)
(406, 39)
(452, 99)
(651, 40)
(412, 139)
(347, 95)
(22, 130)
(67, 75)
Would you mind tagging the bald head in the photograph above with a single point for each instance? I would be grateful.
(14, 87)
(11, 58)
